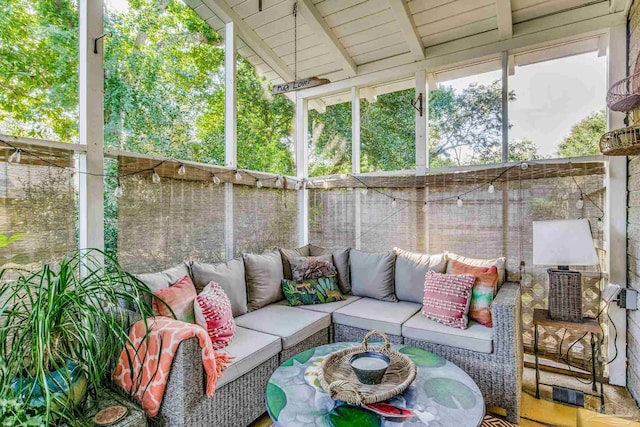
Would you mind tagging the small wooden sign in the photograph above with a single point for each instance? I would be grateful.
(299, 84)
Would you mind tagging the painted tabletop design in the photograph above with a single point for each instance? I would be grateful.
(442, 395)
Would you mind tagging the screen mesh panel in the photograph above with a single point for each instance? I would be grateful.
(488, 225)
(264, 219)
(38, 216)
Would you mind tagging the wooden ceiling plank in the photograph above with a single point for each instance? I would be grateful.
(402, 14)
(227, 14)
(505, 19)
(319, 26)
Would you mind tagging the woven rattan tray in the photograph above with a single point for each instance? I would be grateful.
(338, 379)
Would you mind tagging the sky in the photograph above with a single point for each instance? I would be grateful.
(551, 97)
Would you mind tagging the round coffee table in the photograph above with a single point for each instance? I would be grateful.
(442, 395)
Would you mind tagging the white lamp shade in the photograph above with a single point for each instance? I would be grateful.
(563, 242)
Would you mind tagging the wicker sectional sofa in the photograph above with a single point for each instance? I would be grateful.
(267, 336)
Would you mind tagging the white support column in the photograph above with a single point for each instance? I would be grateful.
(422, 162)
(91, 131)
(230, 132)
(505, 107)
(616, 219)
(302, 168)
(355, 130)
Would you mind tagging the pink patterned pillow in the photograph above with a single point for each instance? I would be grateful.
(213, 312)
(447, 298)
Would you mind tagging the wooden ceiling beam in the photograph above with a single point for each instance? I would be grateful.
(320, 28)
(404, 18)
(505, 19)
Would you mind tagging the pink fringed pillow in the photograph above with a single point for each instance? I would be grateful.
(179, 297)
(447, 298)
(213, 312)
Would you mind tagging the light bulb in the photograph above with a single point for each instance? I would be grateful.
(425, 207)
(343, 176)
(216, 180)
(182, 170)
(325, 185)
(259, 184)
(580, 203)
(119, 190)
(238, 176)
(394, 203)
(600, 224)
(155, 177)
(279, 181)
(524, 166)
(297, 186)
(459, 202)
(491, 189)
(15, 157)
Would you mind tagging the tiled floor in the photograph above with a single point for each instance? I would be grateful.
(545, 412)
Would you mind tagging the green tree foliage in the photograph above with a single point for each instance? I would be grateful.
(584, 136)
(330, 140)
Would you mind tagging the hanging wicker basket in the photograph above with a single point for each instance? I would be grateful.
(625, 95)
(621, 142)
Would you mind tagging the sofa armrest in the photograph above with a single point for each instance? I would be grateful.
(507, 322)
(186, 384)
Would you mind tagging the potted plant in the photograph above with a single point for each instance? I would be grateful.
(61, 331)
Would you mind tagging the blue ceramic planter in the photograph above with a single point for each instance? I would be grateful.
(69, 381)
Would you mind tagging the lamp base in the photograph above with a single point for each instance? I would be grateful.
(565, 295)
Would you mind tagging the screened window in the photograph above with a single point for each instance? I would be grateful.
(465, 118)
(39, 69)
(387, 131)
(330, 140)
(559, 106)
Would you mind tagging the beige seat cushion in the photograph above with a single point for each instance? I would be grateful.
(476, 337)
(329, 307)
(369, 313)
(291, 324)
(249, 349)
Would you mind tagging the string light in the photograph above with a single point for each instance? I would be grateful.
(425, 207)
(491, 189)
(297, 186)
(279, 181)
(524, 166)
(238, 176)
(580, 202)
(394, 203)
(460, 203)
(365, 191)
(343, 176)
(182, 170)
(259, 184)
(600, 224)
(15, 156)
(216, 180)
(155, 177)
(325, 185)
(119, 192)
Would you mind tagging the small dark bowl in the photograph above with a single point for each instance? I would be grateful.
(370, 376)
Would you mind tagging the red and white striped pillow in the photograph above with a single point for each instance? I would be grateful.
(213, 312)
(447, 298)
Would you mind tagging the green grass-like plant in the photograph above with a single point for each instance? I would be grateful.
(62, 313)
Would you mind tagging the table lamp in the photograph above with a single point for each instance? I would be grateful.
(564, 243)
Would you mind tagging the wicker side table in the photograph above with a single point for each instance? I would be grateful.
(591, 326)
(106, 398)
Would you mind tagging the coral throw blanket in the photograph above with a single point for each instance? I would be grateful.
(143, 368)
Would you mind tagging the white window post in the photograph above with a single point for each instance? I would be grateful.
(302, 168)
(355, 159)
(230, 131)
(91, 129)
(422, 138)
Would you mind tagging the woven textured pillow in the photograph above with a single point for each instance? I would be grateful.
(179, 297)
(484, 290)
(312, 291)
(447, 297)
(213, 312)
(312, 267)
